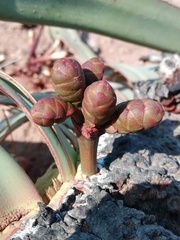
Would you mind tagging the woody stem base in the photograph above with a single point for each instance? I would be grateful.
(88, 154)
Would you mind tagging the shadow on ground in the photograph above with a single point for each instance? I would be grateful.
(34, 157)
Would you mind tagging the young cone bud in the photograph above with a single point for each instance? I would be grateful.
(136, 115)
(98, 103)
(68, 80)
(93, 70)
(48, 111)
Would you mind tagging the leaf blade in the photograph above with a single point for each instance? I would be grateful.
(149, 23)
(25, 101)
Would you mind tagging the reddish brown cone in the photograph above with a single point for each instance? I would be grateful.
(48, 111)
(136, 115)
(93, 70)
(98, 104)
(68, 80)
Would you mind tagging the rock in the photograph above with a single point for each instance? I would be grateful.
(136, 196)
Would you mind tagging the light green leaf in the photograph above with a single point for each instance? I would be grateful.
(137, 73)
(37, 96)
(151, 23)
(25, 101)
(14, 121)
(131, 74)
(18, 193)
(122, 92)
(72, 39)
(45, 180)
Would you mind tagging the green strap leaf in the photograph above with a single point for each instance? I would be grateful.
(14, 121)
(81, 51)
(150, 23)
(18, 193)
(37, 95)
(24, 100)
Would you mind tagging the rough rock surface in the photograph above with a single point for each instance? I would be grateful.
(135, 196)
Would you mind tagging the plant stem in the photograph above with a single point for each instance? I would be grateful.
(88, 154)
(87, 147)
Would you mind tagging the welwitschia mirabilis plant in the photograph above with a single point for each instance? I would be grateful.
(90, 102)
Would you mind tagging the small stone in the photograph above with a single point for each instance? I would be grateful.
(46, 215)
